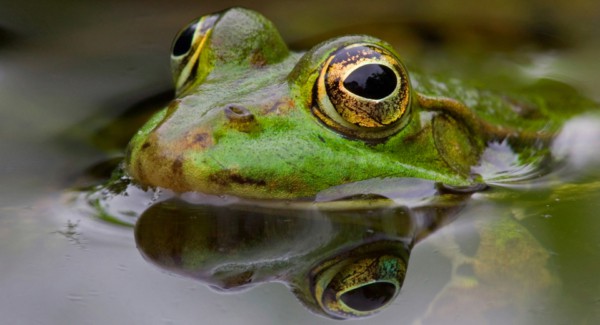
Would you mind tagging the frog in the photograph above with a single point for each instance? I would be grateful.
(258, 124)
(255, 120)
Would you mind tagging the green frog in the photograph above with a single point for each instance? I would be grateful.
(255, 121)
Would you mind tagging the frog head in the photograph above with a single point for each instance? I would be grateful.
(252, 119)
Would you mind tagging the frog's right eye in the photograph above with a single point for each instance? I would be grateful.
(188, 59)
(363, 91)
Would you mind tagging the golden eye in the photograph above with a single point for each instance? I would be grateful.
(363, 91)
(349, 287)
(186, 53)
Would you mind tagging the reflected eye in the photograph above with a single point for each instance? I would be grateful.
(363, 91)
(359, 287)
(187, 52)
(370, 296)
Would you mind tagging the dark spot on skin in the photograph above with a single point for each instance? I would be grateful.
(258, 59)
(226, 177)
(177, 166)
(200, 138)
(321, 138)
(236, 178)
(145, 145)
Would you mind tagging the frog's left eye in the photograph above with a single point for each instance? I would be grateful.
(363, 91)
(360, 287)
(187, 52)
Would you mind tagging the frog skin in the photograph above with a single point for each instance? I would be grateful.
(254, 120)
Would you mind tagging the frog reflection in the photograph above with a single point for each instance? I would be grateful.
(341, 258)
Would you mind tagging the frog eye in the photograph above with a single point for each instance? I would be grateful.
(363, 91)
(183, 41)
(186, 52)
(361, 287)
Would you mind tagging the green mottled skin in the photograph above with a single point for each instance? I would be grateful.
(286, 151)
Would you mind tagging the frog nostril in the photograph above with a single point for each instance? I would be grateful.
(237, 113)
(241, 119)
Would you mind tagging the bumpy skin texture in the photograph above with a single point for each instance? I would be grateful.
(248, 121)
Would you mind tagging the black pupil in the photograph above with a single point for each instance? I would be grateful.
(373, 81)
(369, 297)
(184, 41)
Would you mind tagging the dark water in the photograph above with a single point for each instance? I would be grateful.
(66, 68)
